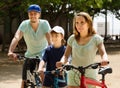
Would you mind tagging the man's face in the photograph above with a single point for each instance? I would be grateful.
(33, 16)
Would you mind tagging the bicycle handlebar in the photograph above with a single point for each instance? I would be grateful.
(56, 71)
(20, 57)
(79, 68)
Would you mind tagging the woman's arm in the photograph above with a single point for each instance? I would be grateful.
(66, 55)
(103, 54)
(64, 59)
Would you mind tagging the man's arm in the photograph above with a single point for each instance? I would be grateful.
(48, 37)
(15, 40)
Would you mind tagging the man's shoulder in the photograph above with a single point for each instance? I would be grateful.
(25, 21)
(43, 21)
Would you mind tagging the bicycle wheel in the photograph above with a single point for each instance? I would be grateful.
(38, 81)
(29, 84)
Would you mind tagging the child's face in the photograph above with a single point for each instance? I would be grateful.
(81, 24)
(56, 38)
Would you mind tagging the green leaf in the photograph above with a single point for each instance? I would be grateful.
(99, 3)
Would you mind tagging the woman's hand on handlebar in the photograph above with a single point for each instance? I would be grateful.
(104, 62)
(12, 56)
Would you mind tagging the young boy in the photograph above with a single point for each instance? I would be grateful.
(53, 54)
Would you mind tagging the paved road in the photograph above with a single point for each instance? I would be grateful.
(10, 72)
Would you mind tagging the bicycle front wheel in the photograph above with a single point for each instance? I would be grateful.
(29, 85)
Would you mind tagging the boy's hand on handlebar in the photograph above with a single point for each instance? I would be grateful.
(59, 64)
(12, 56)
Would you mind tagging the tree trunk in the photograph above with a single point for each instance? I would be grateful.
(7, 35)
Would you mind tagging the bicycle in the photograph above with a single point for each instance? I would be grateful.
(86, 80)
(33, 80)
(56, 79)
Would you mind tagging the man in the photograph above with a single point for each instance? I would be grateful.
(36, 35)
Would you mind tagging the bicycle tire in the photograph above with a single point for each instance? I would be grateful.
(32, 85)
(29, 85)
(37, 81)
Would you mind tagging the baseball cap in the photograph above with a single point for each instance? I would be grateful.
(34, 7)
(58, 29)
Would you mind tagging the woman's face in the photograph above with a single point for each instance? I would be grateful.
(81, 25)
(33, 16)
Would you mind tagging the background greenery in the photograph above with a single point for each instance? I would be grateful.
(57, 12)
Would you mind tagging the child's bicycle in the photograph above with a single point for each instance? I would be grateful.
(56, 79)
(33, 80)
(84, 81)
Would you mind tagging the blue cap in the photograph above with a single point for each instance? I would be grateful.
(34, 7)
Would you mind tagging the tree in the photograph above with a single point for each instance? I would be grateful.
(57, 12)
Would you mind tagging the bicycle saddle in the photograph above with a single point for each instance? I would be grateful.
(105, 70)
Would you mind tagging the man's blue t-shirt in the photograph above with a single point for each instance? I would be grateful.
(36, 41)
(52, 55)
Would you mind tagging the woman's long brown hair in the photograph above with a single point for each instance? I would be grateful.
(88, 19)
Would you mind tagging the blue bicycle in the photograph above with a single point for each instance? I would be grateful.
(54, 77)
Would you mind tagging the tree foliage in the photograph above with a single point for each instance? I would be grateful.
(54, 10)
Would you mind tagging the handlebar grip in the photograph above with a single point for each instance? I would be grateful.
(68, 67)
(108, 62)
(20, 57)
(101, 63)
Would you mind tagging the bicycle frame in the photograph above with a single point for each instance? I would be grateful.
(56, 79)
(84, 81)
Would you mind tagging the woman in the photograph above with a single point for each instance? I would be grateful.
(83, 45)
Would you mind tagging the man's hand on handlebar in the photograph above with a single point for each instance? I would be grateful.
(12, 56)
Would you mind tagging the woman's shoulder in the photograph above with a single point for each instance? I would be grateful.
(98, 39)
(71, 39)
(97, 36)
(72, 36)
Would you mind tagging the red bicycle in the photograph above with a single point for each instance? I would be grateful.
(84, 81)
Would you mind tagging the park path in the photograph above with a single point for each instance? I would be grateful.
(10, 72)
